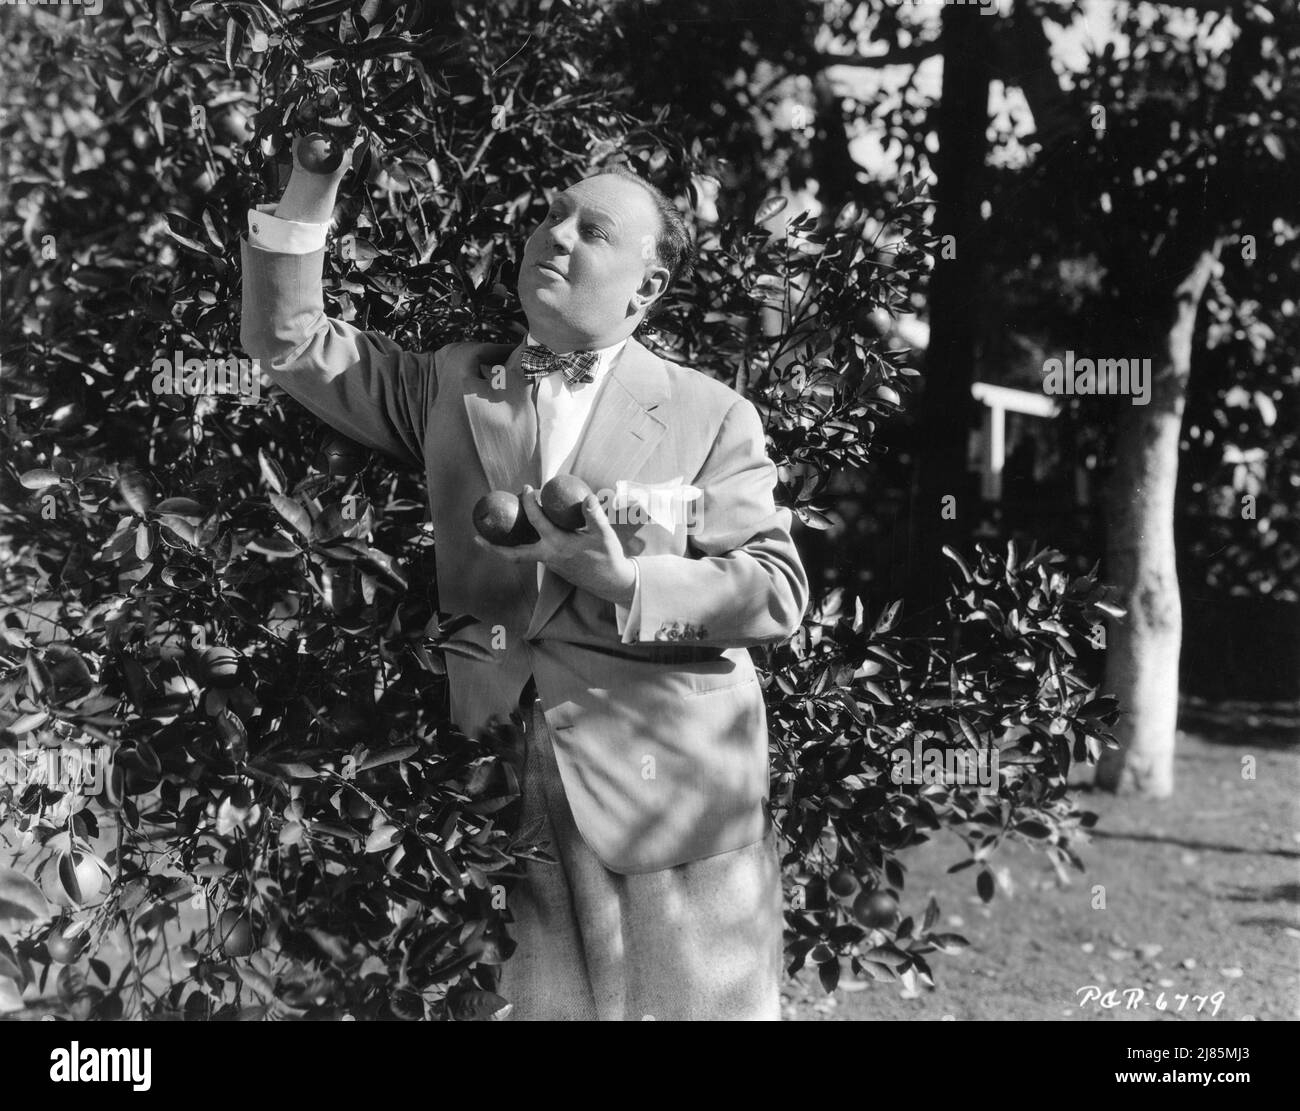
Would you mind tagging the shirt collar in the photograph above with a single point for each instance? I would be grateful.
(607, 355)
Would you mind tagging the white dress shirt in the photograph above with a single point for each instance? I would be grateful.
(563, 408)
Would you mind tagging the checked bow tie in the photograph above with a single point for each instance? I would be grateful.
(539, 361)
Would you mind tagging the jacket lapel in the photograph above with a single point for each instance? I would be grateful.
(623, 431)
(503, 424)
(502, 420)
(625, 427)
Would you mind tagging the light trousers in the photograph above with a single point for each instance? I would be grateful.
(700, 941)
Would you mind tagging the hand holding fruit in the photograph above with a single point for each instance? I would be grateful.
(329, 135)
(324, 155)
(321, 158)
(313, 186)
(317, 153)
(581, 548)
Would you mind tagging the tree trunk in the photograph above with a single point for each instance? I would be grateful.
(1142, 647)
(946, 410)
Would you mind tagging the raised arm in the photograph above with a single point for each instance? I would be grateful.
(358, 382)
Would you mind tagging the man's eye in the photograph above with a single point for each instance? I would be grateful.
(592, 229)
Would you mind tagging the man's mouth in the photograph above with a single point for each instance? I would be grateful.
(549, 268)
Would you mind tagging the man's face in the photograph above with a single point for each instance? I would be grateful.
(590, 267)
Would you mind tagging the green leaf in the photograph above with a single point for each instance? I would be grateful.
(329, 525)
(294, 513)
(234, 40)
(850, 704)
(20, 899)
(382, 838)
(9, 963)
(11, 999)
(186, 241)
(331, 945)
(68, 877)
(769, 208)
(39, 479)
(931, 914)
(878, 693)
(25, 723)
(829, 974)
(888, 957)
(813, 518)
(180, 507)
(135, 491)
(443, 866)
(887, 617)
(272, 474)
(333, 829)
(181, 528)
(391, 756)
(959, 561)
(382, 564)
(274, 546)
(478, 1006)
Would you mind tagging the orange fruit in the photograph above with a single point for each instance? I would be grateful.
(500, 519)
(875, 909)
(562, 499)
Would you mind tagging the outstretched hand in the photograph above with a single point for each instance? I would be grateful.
(591, 557)
(302, 142)
(309, 197)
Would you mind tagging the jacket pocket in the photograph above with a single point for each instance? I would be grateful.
(721, 673)
(731, 685)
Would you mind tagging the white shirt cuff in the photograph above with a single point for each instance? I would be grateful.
(287, 237)
(629, 617)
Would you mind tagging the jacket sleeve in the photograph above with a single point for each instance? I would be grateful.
(742, 583)
(360, 383)
(628, 618)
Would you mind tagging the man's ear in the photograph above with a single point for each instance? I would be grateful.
(653, 286)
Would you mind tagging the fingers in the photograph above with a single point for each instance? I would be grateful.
(595, 513)
(533, 511)
(315, 154)
(527, 553)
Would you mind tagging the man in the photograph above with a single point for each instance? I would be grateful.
(622, 644)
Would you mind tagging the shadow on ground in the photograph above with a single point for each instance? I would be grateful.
(1201, 895)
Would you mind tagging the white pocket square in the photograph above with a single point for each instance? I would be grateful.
(661, 503)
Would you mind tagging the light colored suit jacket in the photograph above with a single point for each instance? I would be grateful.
(662, 743)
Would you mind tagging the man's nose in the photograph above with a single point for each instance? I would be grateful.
(562, 234)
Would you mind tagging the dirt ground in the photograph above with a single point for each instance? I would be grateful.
(1202, 894)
